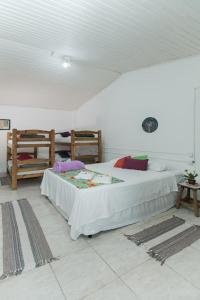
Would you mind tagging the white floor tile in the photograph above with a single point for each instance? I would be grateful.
(8, 195)
(29, 193)
(52, 222)
(84, 270)
(188, 215)
(186, 263)
(121, 254)
(116, 290)
(196, 245)
(151, 281)
(38, 201)
(82, 273)
(43, 208)
(62, 245)
(39, 284)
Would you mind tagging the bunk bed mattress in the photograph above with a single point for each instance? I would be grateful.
(89, 211)
(24, 168)
(29, 142)
(86, 150)
(61, 139)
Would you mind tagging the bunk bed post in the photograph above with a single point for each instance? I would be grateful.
(8, 150)
(73, 148)
(14, 159)
(52, 147)
(33, 166)
(35, 153)
(99, 146)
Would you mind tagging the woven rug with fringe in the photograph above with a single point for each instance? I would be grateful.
(173, 235)
(24, 243)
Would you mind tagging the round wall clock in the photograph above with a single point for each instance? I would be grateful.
(150, 124)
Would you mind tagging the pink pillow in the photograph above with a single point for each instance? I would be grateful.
(135, 164)
(64, 166)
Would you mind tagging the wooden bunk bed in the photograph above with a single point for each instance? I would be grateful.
(31, 140)
(77, 141)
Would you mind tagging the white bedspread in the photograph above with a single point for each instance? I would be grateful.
(97, 205)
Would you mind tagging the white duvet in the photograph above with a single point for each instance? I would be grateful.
(101, 208)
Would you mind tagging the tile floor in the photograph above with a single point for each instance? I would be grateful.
(106, 267)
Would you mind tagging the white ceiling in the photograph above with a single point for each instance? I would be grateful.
(103, 37)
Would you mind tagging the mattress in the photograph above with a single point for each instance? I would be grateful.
(30, 142)
(24, 168)
(110, 206)
(61, 139)
(86, 150)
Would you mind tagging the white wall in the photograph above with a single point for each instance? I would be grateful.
(32, 118)
(164, 91)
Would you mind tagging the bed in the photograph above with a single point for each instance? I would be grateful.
(91, 150)
(23, 169)
(10, 144)
(91, 210)
(83, 145)
(29, 142)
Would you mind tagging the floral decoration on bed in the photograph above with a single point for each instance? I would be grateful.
(70, 176)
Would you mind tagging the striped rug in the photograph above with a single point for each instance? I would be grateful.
(156, 230)
(24, 244)
(166, 238)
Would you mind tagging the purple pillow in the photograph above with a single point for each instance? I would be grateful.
(135, 164)
(65, 134)
(64, 166)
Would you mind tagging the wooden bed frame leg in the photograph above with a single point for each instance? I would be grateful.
(99, 147)
(89, 236)
(52, 148)
(14, 159)
(73, 147)
(14, 183)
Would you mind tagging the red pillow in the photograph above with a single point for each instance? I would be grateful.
(24, 156)
(120, 162)
(135, 164)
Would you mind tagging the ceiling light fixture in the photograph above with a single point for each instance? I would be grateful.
(66, 62)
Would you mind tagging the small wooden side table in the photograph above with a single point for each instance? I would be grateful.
(188, 201)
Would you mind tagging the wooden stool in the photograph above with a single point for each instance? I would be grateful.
(188, 201)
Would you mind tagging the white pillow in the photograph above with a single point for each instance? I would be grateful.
(157, 166)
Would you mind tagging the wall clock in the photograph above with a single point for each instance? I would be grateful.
(150, 124)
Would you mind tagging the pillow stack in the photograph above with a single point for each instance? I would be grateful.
(136, 163)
